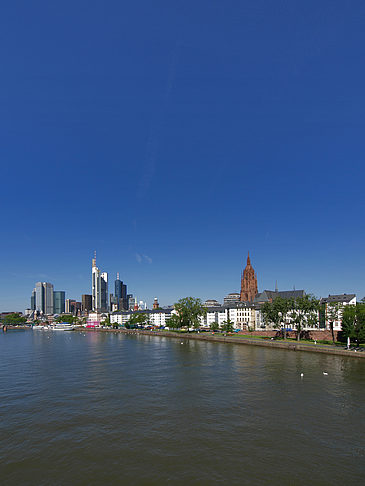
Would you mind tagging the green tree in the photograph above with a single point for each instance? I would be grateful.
(348, 322)
(303, 312)
(353, 322)
(276, 313)
(189, 310)
(333, 313)
(227, 325)
(174, 322)
(14, 319)
(137, 320)
(70, 319)
(214, 326)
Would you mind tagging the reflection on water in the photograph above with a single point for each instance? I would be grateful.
(95, 408)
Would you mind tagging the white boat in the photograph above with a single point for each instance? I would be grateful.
(63, 327)
(37, 327)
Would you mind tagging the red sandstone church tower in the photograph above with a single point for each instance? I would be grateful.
(248, 283)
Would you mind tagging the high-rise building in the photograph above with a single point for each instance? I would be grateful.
(70, 306)
(156, 305)
(124, 297)
(121, 294)
(99, 288)
(39, 297)
(104, 292)
(48, 298)
(58, 301)
(33, 300)
(118, 287)
(43, 297)
(96, 286)
(113, 303)
(86, 301)
(248, 283)
(131, 301)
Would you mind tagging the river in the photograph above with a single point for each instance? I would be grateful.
(89, 408)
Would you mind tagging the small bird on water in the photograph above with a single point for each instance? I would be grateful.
(301, 375)
(325, 373)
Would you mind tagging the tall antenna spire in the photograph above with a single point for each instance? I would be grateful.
(94, 259)
(248, 258)
(117, 275)
(276, 286)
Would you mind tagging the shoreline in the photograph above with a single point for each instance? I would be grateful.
(291, 346)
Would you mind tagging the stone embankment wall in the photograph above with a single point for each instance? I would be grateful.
(290, 345)
(324, 335)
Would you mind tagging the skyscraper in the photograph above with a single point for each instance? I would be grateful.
(86, 302)
(59, 302)
(121, 294)
(248, 283)
(39, 297)
(33, 300)
(43, 297)
(118, 288)
(104, 292)
(96, 286)
(99, 288)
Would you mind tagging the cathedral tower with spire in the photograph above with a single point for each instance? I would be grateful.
(248, 283)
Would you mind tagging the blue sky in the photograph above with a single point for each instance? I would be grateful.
(172, 137)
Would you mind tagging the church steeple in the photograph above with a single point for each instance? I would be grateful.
(248, 283)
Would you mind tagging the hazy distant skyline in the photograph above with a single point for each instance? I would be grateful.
(173, 138)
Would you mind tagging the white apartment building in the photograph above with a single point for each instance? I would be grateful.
(242, 315)
(155, 317)
(329, 303)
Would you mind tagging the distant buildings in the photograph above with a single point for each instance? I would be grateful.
(120, 294)
(243, 309)
(232, 298)
(86, 303)
(270, 295)
(211, 303)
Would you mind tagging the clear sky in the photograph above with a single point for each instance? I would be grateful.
(174, 136)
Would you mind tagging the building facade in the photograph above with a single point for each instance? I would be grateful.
(155, 317)
(331, 310)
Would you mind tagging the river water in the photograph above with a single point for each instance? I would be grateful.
(109, 408)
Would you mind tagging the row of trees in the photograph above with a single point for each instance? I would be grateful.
(353, 322)
(14, 319)
(304, 312)
(301, 312)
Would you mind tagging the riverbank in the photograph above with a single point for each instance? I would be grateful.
(289, 345)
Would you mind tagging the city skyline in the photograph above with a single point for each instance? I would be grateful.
(219, 298)
(176, 140)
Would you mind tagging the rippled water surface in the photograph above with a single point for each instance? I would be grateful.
(107, 408)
